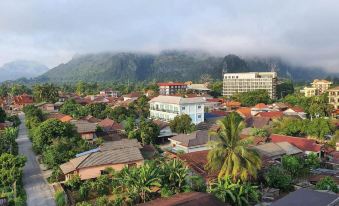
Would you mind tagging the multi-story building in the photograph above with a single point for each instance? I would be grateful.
(166, 108)
(333, 97)
(309, 91)
(321, 85)
(169, 88)
(244, 82)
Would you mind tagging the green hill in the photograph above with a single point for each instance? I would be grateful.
(168, 65)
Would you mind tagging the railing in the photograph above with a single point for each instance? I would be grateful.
(164, 110)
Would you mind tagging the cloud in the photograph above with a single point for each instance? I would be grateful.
(51, 32)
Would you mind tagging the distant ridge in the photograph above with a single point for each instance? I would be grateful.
(168, 65)
(21, 69)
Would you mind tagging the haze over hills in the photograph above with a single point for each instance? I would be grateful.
(168, 65)
(21, 69)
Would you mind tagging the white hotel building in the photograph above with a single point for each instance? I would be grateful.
(244, 82)
(167, 107)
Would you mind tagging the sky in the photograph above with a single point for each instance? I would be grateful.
(304, 32)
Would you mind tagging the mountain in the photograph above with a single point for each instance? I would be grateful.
(21, 69)
(168, 65)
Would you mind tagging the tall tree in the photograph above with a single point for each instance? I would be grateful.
(2, 115)
(182, 124)
(230, 155)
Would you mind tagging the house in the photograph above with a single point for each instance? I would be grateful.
(132, 96)
(166, 108)
(272, 114)
(295, 111)
(333, 97)
(186, 199)
(169, 88)
(230, 105)
(244, 112)
(109, 93)
(109, 125)
(198, 88)
(197, 161)
(260, 122)
(46, 107)
(19, 102)
(275, 151)
(196, 141)
(85, 129)
(91, 119)
(114, 154)
(59, 116)
(307, 197)
(261, 107)
(280, 106)
(165, 131)
(306, 145)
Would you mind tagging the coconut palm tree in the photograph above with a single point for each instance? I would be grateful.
(230, 155)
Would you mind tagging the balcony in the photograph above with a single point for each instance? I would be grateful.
(164, 110)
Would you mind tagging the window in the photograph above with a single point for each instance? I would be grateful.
(199, 116)
(199, 107)
(183, 108)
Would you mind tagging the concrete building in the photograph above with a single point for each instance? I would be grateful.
(169, 88)
(309, 91)
(166, 108)
(110, 93)
(321, 85)
(333, 97)
(244, 82)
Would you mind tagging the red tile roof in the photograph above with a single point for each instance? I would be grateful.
(300, 142)
(215, 100)
(197, 161)
(23, 99)
(108, 124)
(232, 104)
(274, 114)
(244, 111)
(260, 106)
(170, 84)
(297, 109)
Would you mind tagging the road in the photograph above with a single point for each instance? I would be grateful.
(37, 190)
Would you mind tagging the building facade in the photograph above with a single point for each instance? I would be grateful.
(169, 88)
(321, 85)
(309, 91)
(333, 97)
(166, 108)
(245, 82)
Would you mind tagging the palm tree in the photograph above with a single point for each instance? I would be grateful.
(230, 155)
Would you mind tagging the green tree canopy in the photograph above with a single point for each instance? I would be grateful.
(182, 124)
(252, 98)
(2, 115)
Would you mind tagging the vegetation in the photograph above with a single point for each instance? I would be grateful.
(134, 185)
(45, 93)
(316, 128)
(7, 141)
(277, 177)
(234, 193)
(252, 98)
(182, 124)
(3, 115)
(230, 155)
(327, 183)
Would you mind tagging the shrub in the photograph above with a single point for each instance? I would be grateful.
(60, 198)
(277, 177)
(327, 183)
